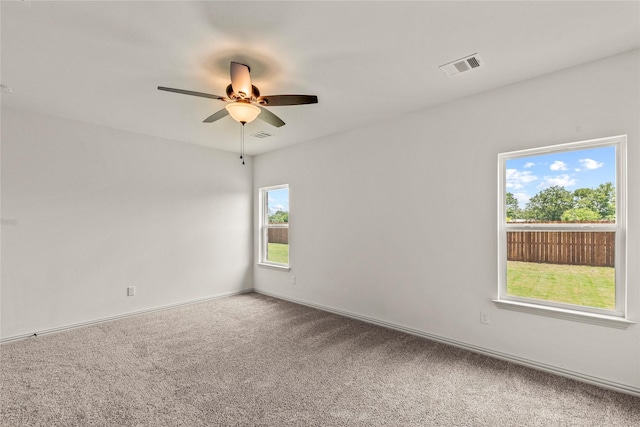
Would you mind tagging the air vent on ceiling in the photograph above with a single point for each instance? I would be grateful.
(262, 134)
(461, 65)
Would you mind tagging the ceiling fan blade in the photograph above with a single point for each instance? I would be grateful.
(241, 79)
(267, 116)
(190, 92)
(277, 100)
(216, 116)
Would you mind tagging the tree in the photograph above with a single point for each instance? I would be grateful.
(584, 198)
(280, 217)
(513, 209)
(605, 200)
(601, 200)
(580, 214)
(549, 204)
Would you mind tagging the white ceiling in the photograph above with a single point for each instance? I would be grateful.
(101, 62)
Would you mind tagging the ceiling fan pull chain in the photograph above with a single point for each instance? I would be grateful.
(242, 143)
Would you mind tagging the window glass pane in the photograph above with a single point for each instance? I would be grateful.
(277, 247)
(565, 186)
(277, 237)
(278, 206)
(571, 267)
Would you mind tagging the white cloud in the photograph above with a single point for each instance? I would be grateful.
(563, 180)
(529, 165)
(278, 207)
(558, 166)
(516, 179)
(590, 164)
(523, 199)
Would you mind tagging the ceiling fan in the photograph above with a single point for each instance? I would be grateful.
(244, 102)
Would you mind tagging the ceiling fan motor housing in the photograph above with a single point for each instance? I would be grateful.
(238, 96)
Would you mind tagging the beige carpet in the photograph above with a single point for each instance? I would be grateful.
(252, 360)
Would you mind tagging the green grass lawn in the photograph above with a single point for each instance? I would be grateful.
(278, 252)
(573, 284)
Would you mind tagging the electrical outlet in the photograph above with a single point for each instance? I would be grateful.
(484, 318)
(131, 291)
(293, 280)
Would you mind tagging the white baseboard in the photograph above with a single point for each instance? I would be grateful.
(122, 316)
(623, 388)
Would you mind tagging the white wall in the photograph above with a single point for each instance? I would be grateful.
(398, 222)
(88, 211)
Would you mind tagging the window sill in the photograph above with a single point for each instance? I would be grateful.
(559, 313)
(275, 266)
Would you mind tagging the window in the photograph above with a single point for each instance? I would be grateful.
(562, 229)
(274, 226)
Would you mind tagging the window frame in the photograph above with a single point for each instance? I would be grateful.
(264, 227)
(616, 317)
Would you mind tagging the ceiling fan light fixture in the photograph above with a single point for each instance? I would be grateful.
(242, 112)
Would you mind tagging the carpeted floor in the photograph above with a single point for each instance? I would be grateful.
(252, 360)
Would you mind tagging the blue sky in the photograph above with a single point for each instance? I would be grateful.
(526, 176)
(278, 200)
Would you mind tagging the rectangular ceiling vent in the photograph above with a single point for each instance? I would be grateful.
(262, 134)
(461, 65)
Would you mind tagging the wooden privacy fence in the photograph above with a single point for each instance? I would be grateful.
(279, 235)
(596, 248)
